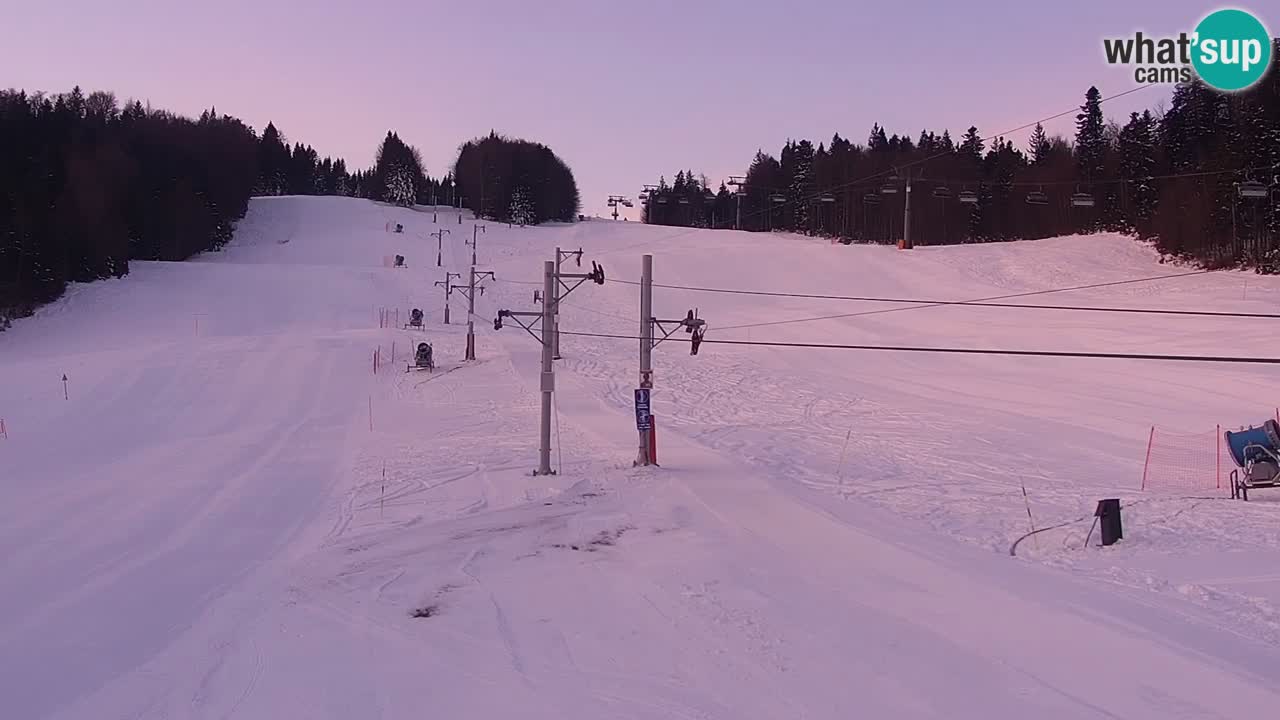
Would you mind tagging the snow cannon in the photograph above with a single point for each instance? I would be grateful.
(1255, 443)
(422, 359)
(1257, 452)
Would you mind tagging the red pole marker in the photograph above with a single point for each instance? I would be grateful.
(4, 432)
(653, 440)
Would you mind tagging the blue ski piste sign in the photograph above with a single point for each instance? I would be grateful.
(643, 419)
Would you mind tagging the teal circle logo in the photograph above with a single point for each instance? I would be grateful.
(1232, 50)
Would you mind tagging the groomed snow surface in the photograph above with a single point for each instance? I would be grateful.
(228, 515)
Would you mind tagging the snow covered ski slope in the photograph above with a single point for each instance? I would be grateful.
(229, 515)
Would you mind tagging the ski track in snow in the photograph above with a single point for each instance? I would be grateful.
(209, 528)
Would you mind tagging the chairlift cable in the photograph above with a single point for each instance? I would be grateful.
(980, 302)
(963, 351)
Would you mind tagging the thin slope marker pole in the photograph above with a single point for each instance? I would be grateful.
(1150, 441)
(1090, 535)
(1030, 519)
(840, 467)
(1217, 458)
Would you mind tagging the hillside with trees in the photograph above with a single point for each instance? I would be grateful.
(515, 181)
(1201, 180)
(86, 186)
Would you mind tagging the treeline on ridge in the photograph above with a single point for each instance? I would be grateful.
(1200, 180)
(87, 186)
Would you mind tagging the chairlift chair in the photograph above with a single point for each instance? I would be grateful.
(827, 198)
(1253, 190)
(415, 319)
(968, 196)
(942, 192)
(778, 198)
(684, 201)
(871, 198)
(1081, 199)
(889, 188)
(1036, 197)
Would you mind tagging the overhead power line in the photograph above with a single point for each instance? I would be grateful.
(1010, 296)
(1110, 181)
(981, 303)
(964, 351)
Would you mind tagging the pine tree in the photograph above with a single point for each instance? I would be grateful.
(397, 173)
(801, 185)
(972, 145)
(1091, 143)
(400, 190)
(521, 211)
(877, 140)
(1038, 146)
(273, 161)
(1136, 148)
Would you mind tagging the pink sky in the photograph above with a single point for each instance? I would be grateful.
(623, 92)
